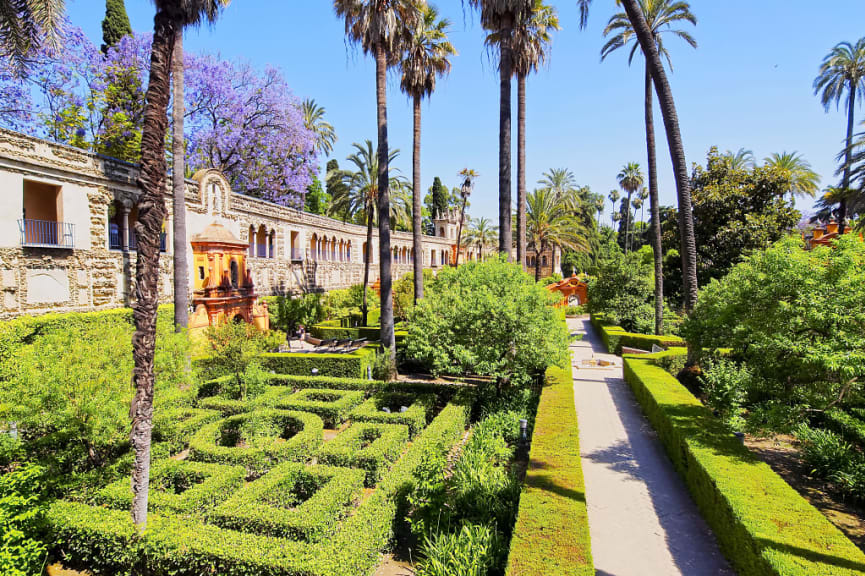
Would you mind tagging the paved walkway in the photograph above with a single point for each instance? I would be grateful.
(642, 519)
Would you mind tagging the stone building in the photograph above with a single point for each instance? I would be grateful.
(67, 239)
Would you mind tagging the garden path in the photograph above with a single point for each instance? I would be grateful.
(641, 517)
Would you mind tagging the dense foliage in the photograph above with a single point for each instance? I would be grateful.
(21, 518)
(623, 291)
(487, 318)
(235, 349)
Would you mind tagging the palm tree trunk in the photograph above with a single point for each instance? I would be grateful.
(151, 214)
(654, 208)
(845, 182)
(460, 231)
(417, 222)
(181, 266)
(537, 264)
(387, 331)
(505, 71)
(364, 310)
(677, 149)
(521, 170)
(628, 224)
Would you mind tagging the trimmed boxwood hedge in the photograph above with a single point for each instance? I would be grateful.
(175, 426)
(419, 407)
(293, 501)
(179, 487)
(332, 406)
(351, 365)
(327, 331)
(763, 526)
(615, 337)
(367, 445)
(370, 386)
(105, 542)
(268, 447)
(552, 530)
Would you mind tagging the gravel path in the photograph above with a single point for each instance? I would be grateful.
(642, 519)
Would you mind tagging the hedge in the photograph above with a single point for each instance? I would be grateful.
(366, 445)
(551, 535)
(763, 526)
(350, 365)
(280, 435)
(415, 417)
(332, 406)
(175, 426)
(105, 542)
(179, 487)
(293, 501)
(331, 330)
(331, 383)
(615, 337)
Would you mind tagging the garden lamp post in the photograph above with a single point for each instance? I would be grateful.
(465, 192)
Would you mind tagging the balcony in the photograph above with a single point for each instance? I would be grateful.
(47, 234)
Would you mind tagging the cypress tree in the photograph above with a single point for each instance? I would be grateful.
(115, 25)
(439, 198)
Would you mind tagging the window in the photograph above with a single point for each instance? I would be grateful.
(234, 274)
(201, 272)
(41, 223)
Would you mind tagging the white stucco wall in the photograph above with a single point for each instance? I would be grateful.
(11, 208)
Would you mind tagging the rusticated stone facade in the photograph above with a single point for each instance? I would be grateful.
(67, 240)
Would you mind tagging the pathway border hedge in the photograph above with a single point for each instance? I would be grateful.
(764, 527)
(351, 365)
(552, 530)
(615, 337)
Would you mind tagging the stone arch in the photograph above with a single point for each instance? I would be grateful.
(313, 247)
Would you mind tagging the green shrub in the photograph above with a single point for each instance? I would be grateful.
(179, 487)
(834, 459)
(415, 417)
(175, 426)
(332, 406)
(847, 425)
(22, 551)
(287, 313)
(293, 501)
(369, 446)
(762, 524)
(615, 337)
(235, 350)
(259, 439)
(725, 384)
(487, 318)
(473, 551)
(353, 365)
(624, 292)
(552, 531)
(370, 386)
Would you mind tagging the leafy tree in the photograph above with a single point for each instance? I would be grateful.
(794, 317)
(115, 25)
(623, 292)
(843, 72)
(316, 198)
(313, 119)
(21, 521)
(487, 318)
(235, 350)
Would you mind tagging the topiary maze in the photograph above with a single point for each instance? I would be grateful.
(254, 488)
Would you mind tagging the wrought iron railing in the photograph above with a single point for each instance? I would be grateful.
(47, 234)
(114, 236)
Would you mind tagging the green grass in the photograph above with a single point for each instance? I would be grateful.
(763, 525)
(552, 531)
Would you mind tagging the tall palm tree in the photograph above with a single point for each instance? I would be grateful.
(649, 47)
(427, 56)
(25, 24)
(614, 199)
(843, 73)
(661, 17)
(803, 180)
(561, 181)
(481, 233)
(630, 179)
(552, 224)
(313, 120)
(599, 202)
(358, 197)
(501, 16)
(530, 43)
(171, 16)
(382, 28)
(468, 177)
(178, 186)
(741, 159)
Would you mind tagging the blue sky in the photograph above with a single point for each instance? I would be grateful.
(749, 84)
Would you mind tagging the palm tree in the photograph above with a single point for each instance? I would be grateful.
(599, 202)
(552, 224)
(741, 159)
(843, 72)
(382, 28)
(313, 120)
(661, 16)
(426, 58)
(170, 17)
(614, 199)
(803, 180)
(468, 176)
(481, 233)
(501, 16)
(178, 186)
(358, 197)
(530, 43)
(649, 47)
(630, 179)
(561, 181)
(24, 25)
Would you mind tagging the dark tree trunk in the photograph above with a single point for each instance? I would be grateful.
(181, 266)
(654, 208)
(364, 309)
(387, 332)
(151, 214)
(460, 231)
(417, 207)
(506, 71)
(677, 149)
(628, 224)
(521, 170)
(845, 181)
(537, 264)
